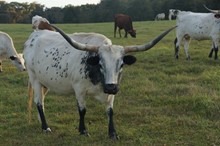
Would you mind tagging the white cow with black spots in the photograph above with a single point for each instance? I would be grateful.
(197, 26)
(7, 50)
(91, 67)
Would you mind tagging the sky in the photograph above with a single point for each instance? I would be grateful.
(57, 3)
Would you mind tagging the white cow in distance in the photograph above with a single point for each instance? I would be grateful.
(197, 26)
(160, 16)
(7, 50)
(65, 66)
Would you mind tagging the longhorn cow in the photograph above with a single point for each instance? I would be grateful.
(91, 66)
(197, 26)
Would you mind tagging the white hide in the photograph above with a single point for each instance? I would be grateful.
(197, 26)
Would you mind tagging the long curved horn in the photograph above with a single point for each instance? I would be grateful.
(213, 11)
(75, 44)
(148, 45)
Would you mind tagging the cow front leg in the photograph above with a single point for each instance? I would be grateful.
(82, 127)
(211, 52)
(216, 53)
(45, 127)
(126, 34)
(111, 129)
(0, 66)
(119, 31)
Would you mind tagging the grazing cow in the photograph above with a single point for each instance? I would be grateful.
(40, 23)
(124, 22)
(173, 14)
(91, 67)
(160, 16)
(7, 50)
(197, 26)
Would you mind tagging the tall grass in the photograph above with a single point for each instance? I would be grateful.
(162, 101)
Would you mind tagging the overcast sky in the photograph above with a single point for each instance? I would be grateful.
(57, 3)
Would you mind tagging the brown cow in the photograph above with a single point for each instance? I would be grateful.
(124, 22)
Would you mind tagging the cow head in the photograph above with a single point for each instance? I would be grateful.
(132, 33)
(215, 12)
(18, 61)
(111, 58)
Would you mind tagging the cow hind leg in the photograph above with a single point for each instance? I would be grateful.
(186, 47)
(45, 127)
(1, 66)
(177, 47)
(39, 100)
(216, 53)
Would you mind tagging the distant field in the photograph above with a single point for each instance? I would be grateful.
(162, 101)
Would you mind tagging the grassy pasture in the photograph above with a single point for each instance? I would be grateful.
(162, 101)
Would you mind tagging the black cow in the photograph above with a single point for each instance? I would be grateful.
(124, 22)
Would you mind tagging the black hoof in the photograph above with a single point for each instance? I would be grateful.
(85, 133)
(48, 130)
(114, 136)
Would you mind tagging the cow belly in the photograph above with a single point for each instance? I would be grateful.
(57, 85)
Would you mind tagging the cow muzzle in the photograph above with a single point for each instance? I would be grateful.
(111, 89)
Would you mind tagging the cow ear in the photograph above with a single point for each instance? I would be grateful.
(93, 60)
(217, 16)
(12, 57)
(129, 59)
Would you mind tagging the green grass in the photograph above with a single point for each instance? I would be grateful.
(162, 101)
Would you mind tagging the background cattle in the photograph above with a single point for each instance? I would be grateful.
(123, 21)
(40, 23)
(7, 50)
(197, 26)
(160, 16)
(92, 67)
(173, 14)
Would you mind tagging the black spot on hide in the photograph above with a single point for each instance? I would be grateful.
(57, 56)
(92, 71)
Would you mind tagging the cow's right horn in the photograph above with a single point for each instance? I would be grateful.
(213, 11)
(75, 44)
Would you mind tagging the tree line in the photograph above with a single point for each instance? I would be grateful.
(139, 10)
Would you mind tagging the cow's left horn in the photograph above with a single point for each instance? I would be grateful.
(148, 45)
(213, 11)
(75, 44)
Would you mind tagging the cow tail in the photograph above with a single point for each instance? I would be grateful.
(30, 101)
